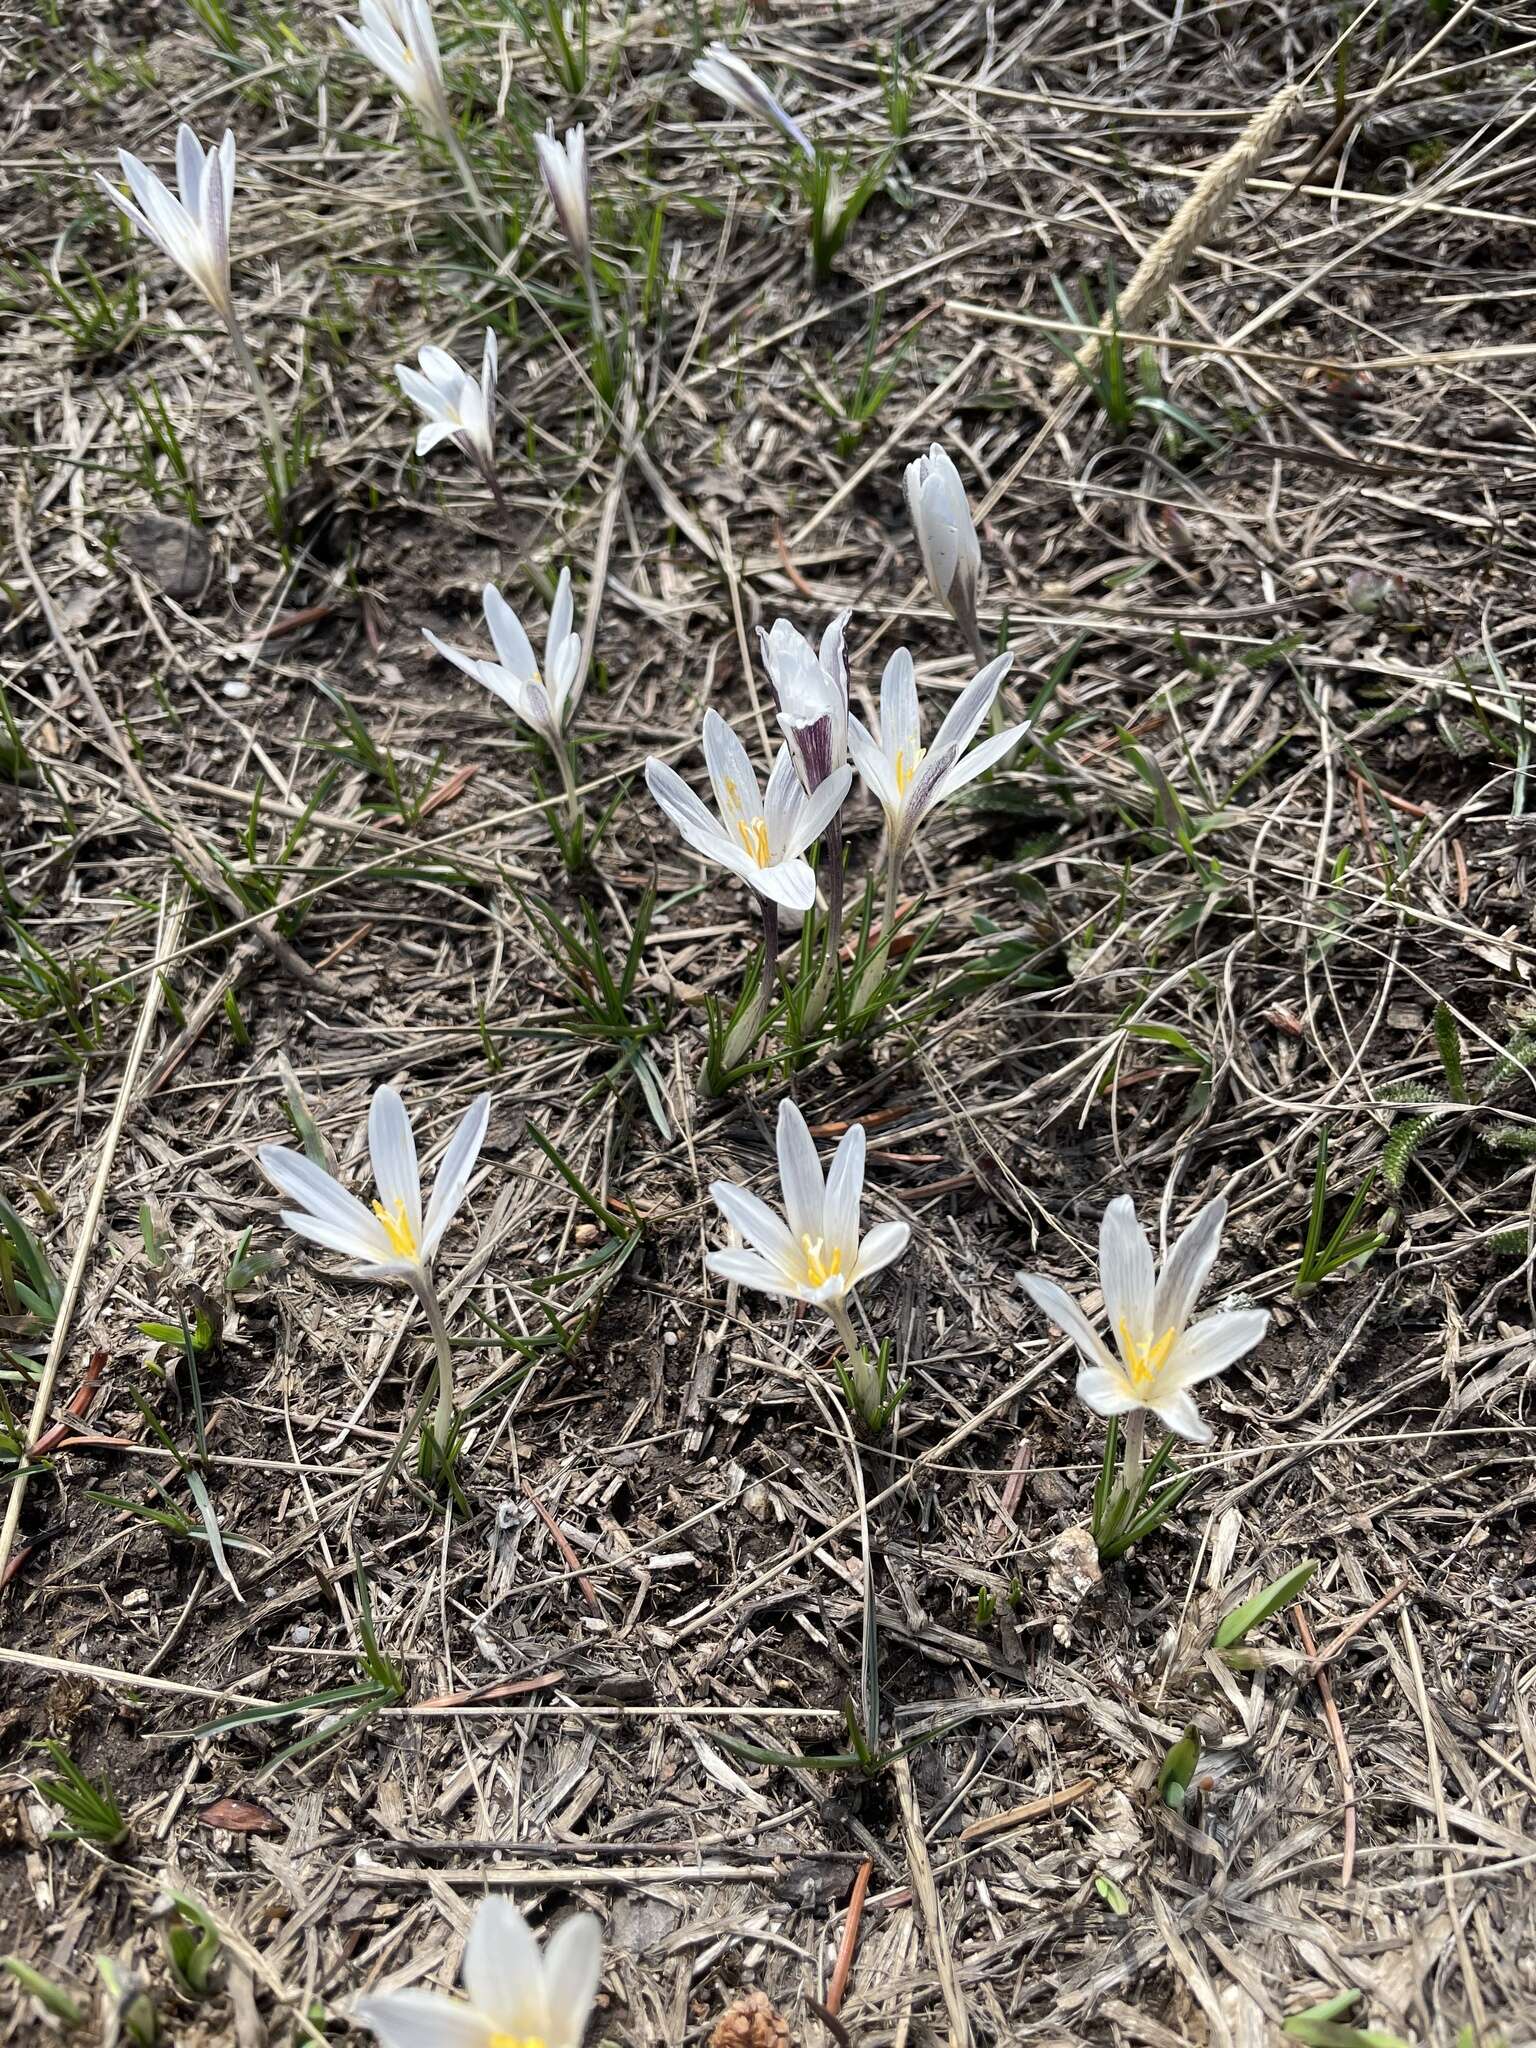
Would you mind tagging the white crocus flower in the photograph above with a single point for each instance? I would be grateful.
(543, 699)
(811, 690)
(760, 835)
(907, 779)
(564, 170)
(1159, 1355)
(723, 73)
(946, 533)
(393, 1241)
(814, 1251)
(458, 406)
(194, 229)
(519, 1996)
(399, 39)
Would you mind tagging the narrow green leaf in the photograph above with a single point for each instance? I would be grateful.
(1269, 1600)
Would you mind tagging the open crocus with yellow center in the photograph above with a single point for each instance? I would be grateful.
(1158, 1354)
(814, 1251)
(760, 835)
(518, 1995)
(459, 407)
(546, 698)
(193, 230)
(394, 1241)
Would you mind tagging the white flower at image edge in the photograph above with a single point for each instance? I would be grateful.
(543, 699)
(459, 406)
(760, 835)
(817, 1254)
(518, 1996)
(393, 1241)
(399, 38)
(1159, 1354)
(194, 229)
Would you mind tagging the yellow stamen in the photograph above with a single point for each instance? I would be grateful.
(515, 2041)
(1144, 1364)
(753, 833)
(904, 774)
(397, 1229)
(820, 1270)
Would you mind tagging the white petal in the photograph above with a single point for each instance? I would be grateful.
(980, 759)
(435, 431)
(789, 883)
(1216, 1342)
(845, 1185)
(901, 729)
(452, 1182)
(1105, 1391)
(1177, 1411)
(189, 169)
(732, 775)
(750, 1269)
(1125, 1272)
(686, 811)
(513, 648)
(885, 1243)
(965, 715)
(470, 663)
(757, 1223)
(504, 1972)
(1067, 1316)
(573, 1969)
(296, 1175)
(821, 807)
(421, 391)
(392, 1148)
(1188, 1267)
(874, 769)
(800, 1174)
(421, 2019)
(371, 1247)
(783, 801)
(559, 617)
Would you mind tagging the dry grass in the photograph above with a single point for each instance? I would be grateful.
(1274, 811)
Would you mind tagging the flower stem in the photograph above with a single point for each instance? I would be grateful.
(263, 398)
(442, 1422)
(564, 755)
(892, 878)
(1130, 1463)
(848, 1336)
(472, 191)
(770, 911)
(602, 359)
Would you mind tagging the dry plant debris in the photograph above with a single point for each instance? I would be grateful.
(1263, 565)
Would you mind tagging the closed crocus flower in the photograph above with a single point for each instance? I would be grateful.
(810, 688)
(192, 230)
(907, 779)
(459, 407)
(814, 1251)
(762, 836)
(546, 698)
(563, 167)
(723, 73)
(1158, 1355)
(399, 39)
(518, 1995)
(941, 519)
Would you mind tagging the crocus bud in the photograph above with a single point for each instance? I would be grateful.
(941, 519)
(564, 170)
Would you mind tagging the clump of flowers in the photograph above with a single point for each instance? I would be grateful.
(1156, 1359)
(394, 1241)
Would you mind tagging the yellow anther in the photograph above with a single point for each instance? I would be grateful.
(904, 774)
(397, 1229)
(754, 837)
(1144, 1363)
(515, 2041)
(820, 1270)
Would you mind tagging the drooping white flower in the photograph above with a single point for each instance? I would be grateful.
(1159, 1355)
(908, 779)
(817, 1254)
(459, 407)
(760, 835)
(394, 1241)
(399, 39)
(545, 700)
(811, 691)
(564, 169)
(194, 229)
(946, 533)
(723, 73)
(519, 1996)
